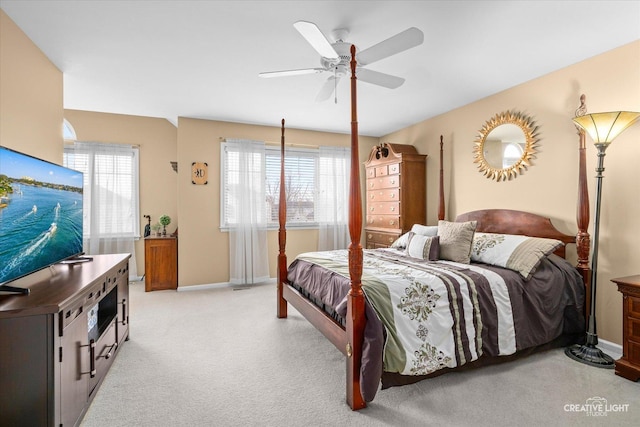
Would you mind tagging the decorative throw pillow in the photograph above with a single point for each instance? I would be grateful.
(519, 253)
(455, 240)
(423, 247)
(401, 242)
(425, 230)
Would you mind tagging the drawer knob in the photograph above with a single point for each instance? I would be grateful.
(393, 181)
(393, 208)
(372, 208)
(390, 239)
(369, 236)
(392, 222)
(393, 195)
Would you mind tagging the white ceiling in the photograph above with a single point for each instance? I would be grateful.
(201, 59)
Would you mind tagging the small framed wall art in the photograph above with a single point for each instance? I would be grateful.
(199, 174)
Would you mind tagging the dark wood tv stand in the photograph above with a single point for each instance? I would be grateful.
(58, 342)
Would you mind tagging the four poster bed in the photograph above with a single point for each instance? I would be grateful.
(402, 314)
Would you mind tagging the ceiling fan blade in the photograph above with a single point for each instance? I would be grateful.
(378, 78)
(286, 73)
(399, 43)
(327, 89)
(316, 39)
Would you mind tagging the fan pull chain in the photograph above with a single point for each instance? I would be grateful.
(335, 85)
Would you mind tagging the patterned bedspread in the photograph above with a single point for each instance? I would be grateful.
(434, 315)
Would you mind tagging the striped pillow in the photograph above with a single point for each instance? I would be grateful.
(424, 230)
(422, 247)
(519, 253)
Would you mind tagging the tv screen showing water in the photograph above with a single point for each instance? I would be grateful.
(40, 214)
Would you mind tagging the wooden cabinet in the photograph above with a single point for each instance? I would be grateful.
(628, 366)
(396, 193)
(59, 341)
(74, 370)
(160, 263)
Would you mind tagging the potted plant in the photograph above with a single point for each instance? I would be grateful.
(156, 228)
(165, 220)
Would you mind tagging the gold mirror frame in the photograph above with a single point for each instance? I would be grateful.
(530, 131)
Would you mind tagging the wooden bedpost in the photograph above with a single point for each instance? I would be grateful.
(583, 241)
(282, 234)
(441, 187)
(355, 297)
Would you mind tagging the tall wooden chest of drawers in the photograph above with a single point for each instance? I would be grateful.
(396, 193)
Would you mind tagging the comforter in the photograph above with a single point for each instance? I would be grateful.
(425, 316)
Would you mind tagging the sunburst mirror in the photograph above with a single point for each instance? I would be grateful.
(505, 145)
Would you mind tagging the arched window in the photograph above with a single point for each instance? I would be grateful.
(512, 153)
(68, 133)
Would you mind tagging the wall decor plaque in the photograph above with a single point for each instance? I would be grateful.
(199, 174)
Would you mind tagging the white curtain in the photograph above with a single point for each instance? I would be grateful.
(111, 197)
(332, 207)
(248, 252)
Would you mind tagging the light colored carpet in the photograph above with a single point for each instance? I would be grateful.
(220, 357)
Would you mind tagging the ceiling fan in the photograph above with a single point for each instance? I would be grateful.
(335, 57)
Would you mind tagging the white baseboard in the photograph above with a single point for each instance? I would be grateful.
(203, 287)
(612, 349)
(220, 285)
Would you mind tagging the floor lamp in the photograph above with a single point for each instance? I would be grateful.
(603, 129)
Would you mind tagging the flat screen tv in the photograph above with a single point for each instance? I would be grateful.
(40, 215)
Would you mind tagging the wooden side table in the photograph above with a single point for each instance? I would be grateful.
(160, 263)
(628, 366)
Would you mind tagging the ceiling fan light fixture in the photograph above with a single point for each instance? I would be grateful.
(335, 57)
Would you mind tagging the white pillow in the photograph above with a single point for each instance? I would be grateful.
(423, 247)
(425, 230)
(518, 253)
(401, 242)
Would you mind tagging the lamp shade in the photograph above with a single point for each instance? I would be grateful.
(605, 127)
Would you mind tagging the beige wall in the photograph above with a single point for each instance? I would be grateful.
(31, 96)
(31, 116)
(610, 82)
(157, 141)
(203, 250)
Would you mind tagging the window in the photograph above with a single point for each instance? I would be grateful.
(301, 168)
(512, 153)
(301, 176)
(111, 206)
(68, 133)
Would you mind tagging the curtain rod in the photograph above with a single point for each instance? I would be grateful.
(287, 144)
(69, 142)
